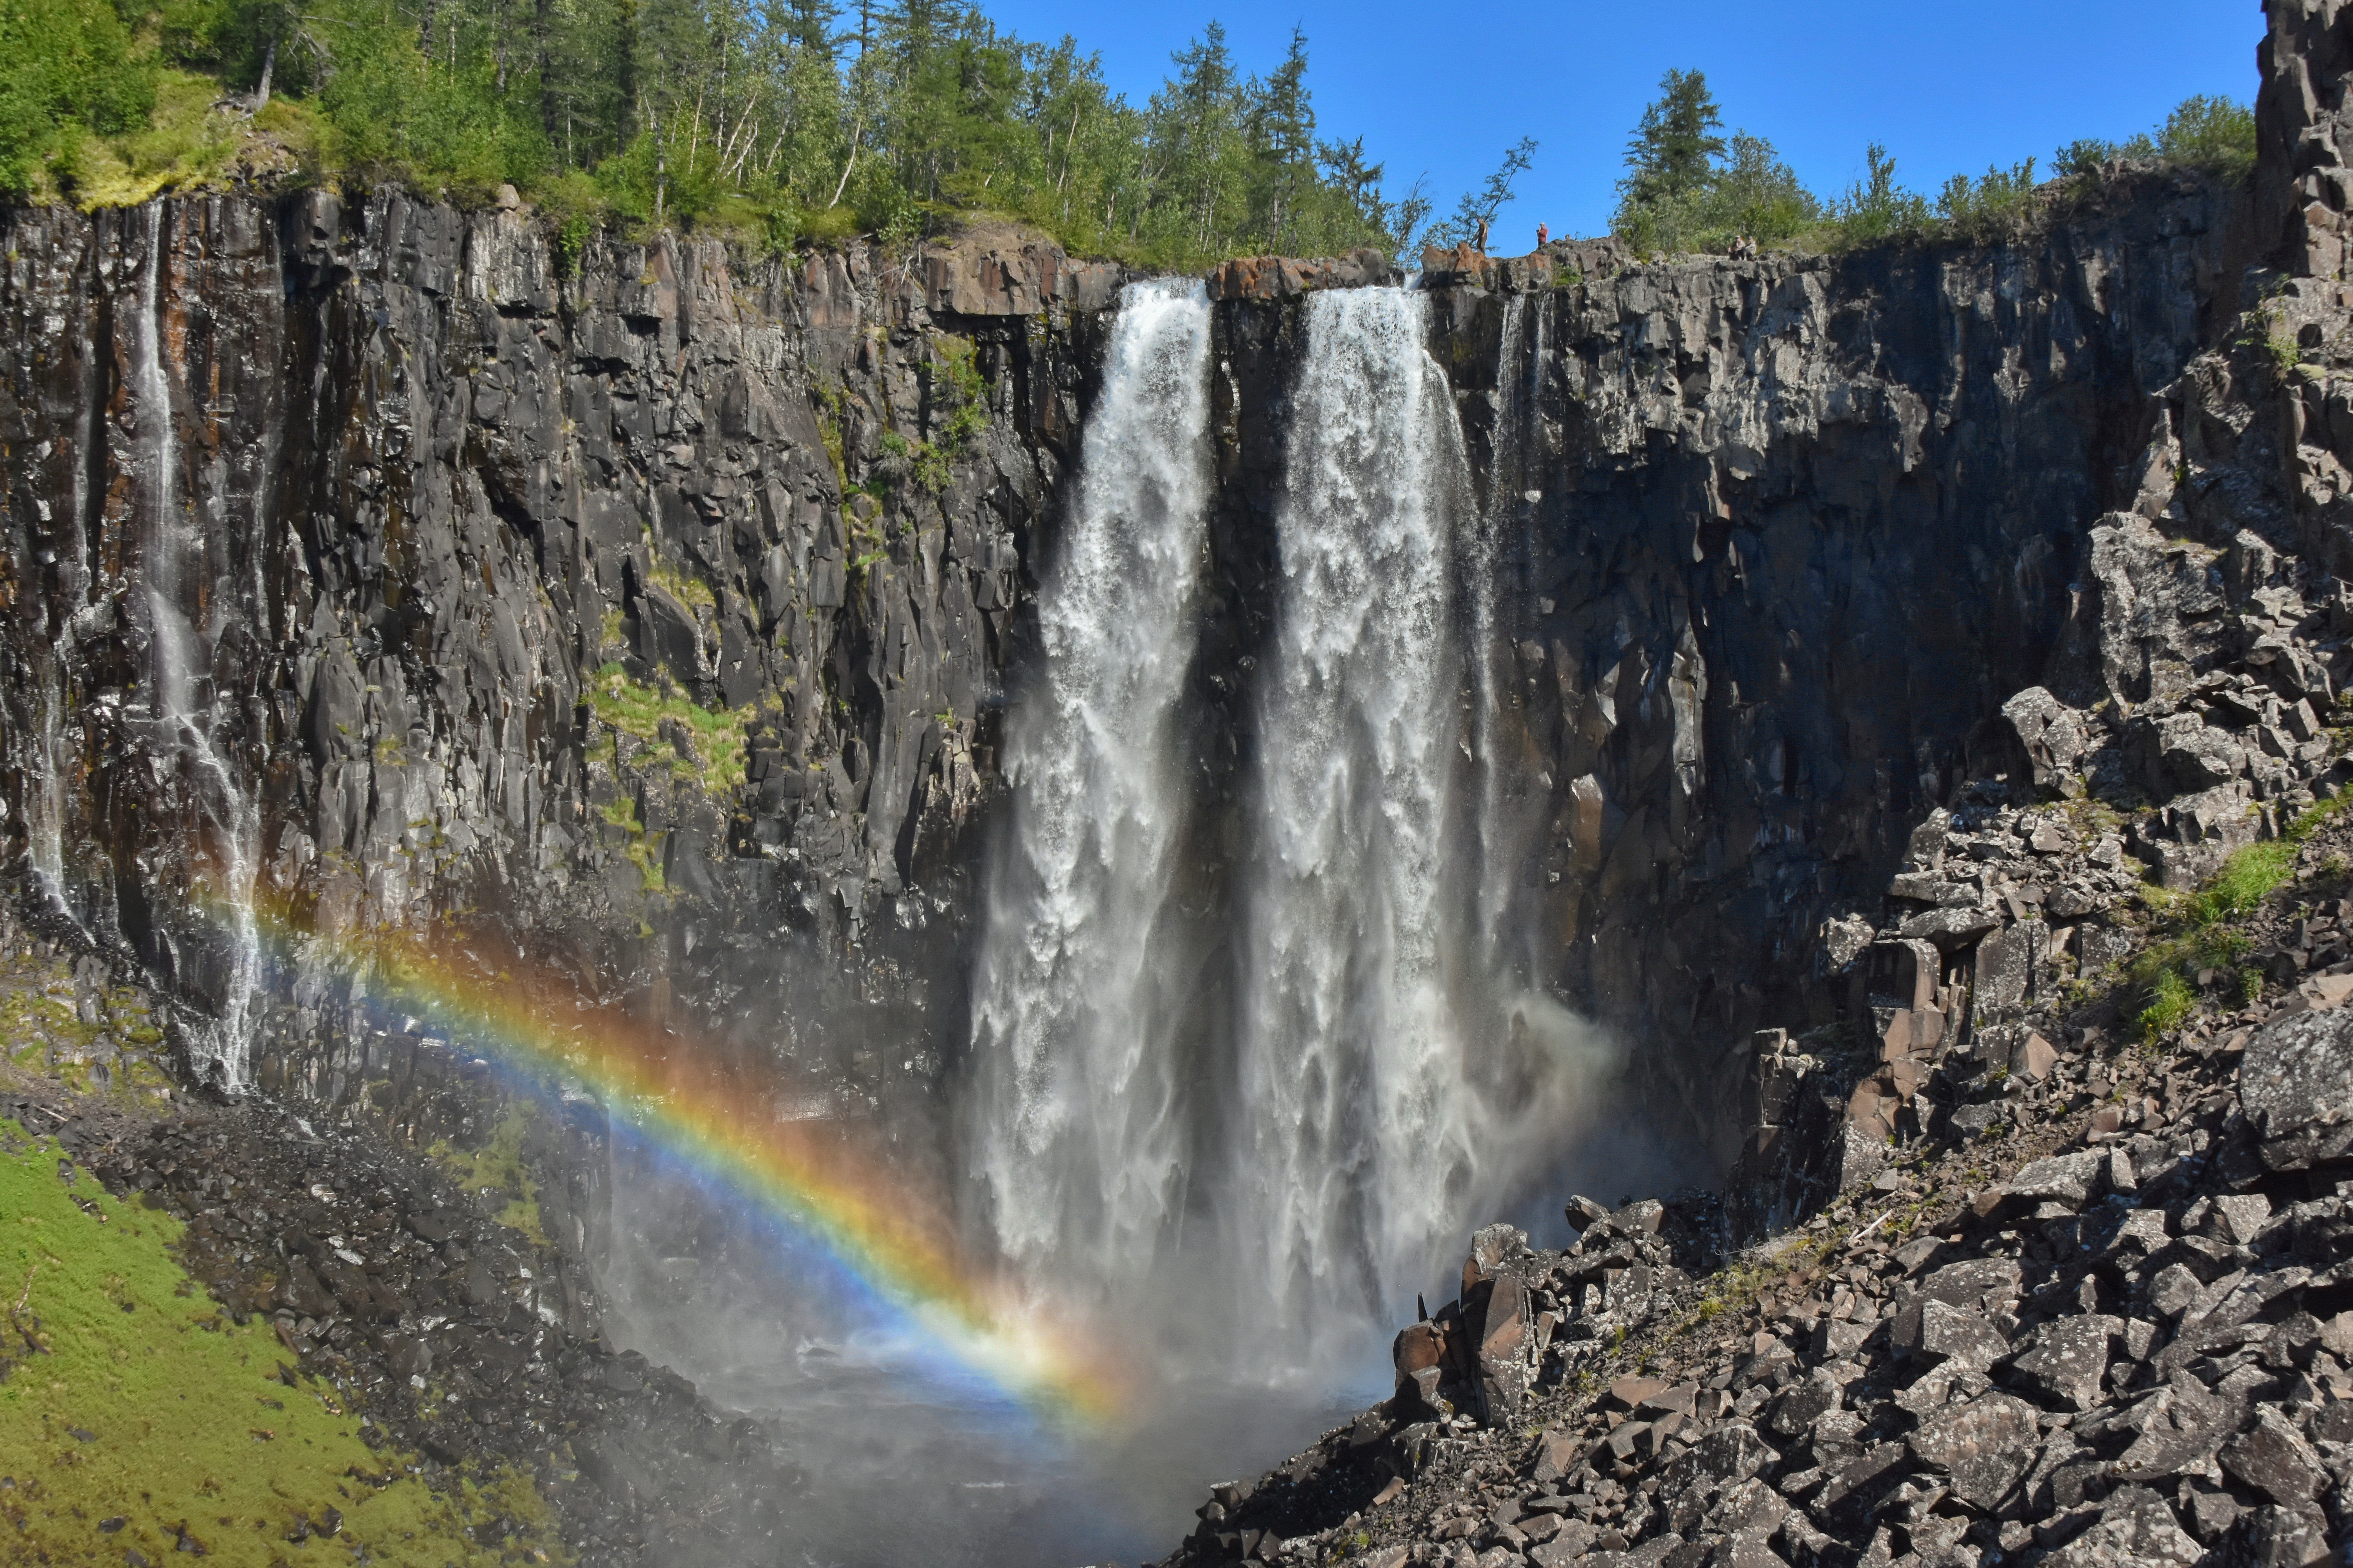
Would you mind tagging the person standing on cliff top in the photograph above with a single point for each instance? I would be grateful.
(1543, 235)
(1481, 242)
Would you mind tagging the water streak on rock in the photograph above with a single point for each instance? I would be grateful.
(181, 701)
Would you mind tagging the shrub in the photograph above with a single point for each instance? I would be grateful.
(2201, 132)
(1979, 209)
(2169, 1003)
(1875, 207)
(2209, 132)
(67, 67)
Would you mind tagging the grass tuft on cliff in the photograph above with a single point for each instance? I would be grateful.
(635, 709)
(134, 1414)
(498, 1166)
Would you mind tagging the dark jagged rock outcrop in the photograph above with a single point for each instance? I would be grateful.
(2085, 1343)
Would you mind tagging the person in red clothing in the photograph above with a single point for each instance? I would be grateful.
(1543, 234)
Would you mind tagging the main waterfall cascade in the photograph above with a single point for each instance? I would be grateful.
(184, 618)
(1391, 1087)
(1384, 1083)
(1076, 1128)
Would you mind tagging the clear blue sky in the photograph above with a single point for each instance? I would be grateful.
(1445, 88)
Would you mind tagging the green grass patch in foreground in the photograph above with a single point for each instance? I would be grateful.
(128, 1395)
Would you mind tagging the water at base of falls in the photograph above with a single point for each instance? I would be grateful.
(179, 664)
(903, 1467)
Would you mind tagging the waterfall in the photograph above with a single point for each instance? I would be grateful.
(1385, 1081)
(1356, 1146)
(181, 662)
(1078, 1137)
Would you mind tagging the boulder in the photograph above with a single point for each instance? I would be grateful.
(1733, 1452)
(2135, 1528)
(1982, 1283)
(1931, 1331)
(1983, 1447)
(2271, 1457)
(1950, 929)
(2050, 737)
(2070, 1181)
(2176, 1428)
(2007, 962)
(2282, 1537)
(2296, 1087)
(1583, 1213)
(2188, 756)
(1557, 1452)
(1420, 1356)
(2066, 1360)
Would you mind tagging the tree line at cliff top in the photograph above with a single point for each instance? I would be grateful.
(1689, 187)
(798, 121)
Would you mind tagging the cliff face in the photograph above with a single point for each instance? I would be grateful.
(1772, 541)
(1788, 535)
(653, 607)
(648, 607)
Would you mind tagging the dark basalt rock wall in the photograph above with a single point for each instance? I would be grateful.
(1776, 538)
(436, 481)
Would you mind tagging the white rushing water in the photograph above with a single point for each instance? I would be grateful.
(1354, 1147)
(1381, 1081)
(180, 668)
(1078, 1132)
(46, 806)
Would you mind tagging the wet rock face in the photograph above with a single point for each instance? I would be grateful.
(653, 602)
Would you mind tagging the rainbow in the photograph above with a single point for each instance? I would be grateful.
(696, 1106)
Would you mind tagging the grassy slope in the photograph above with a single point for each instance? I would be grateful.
(186, 1420)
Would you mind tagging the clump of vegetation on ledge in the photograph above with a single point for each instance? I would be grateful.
(634, 708)
(784, 123)
(1687, 187)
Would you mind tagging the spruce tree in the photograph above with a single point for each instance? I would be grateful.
(1674, 149)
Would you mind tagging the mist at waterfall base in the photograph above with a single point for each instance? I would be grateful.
(739, 1254)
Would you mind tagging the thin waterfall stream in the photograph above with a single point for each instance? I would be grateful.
(181, 703)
